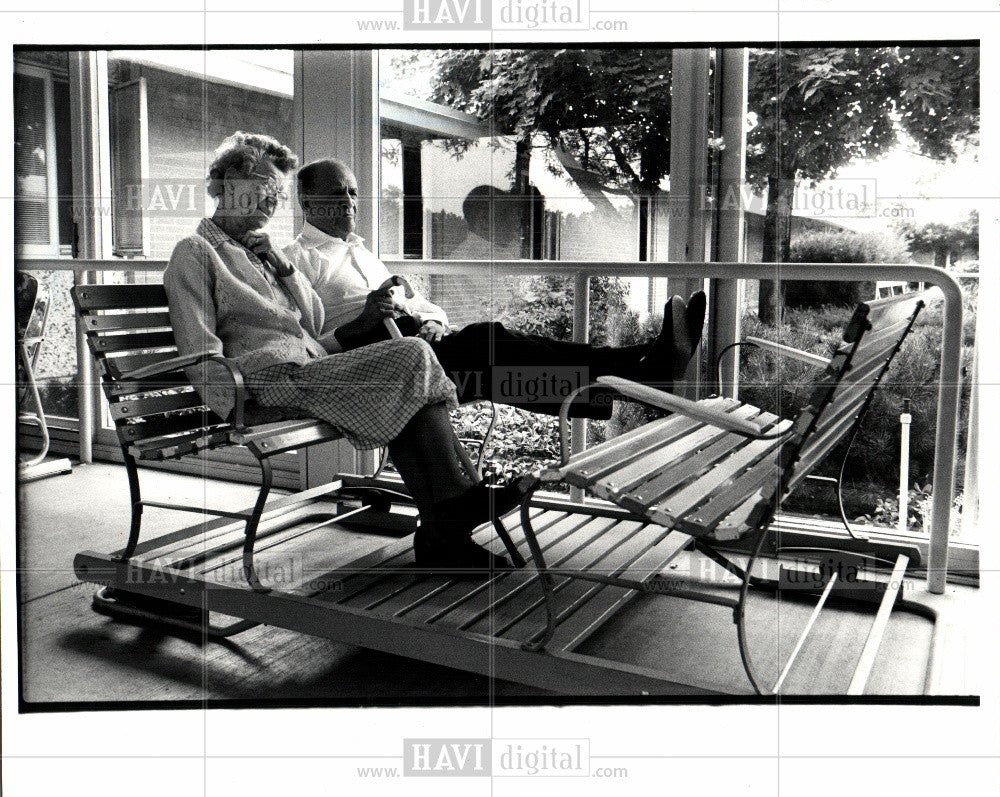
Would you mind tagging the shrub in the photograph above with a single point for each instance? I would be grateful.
(839, 247)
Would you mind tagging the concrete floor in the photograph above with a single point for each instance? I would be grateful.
(70, 653)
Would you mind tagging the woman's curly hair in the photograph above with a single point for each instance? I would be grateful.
(243, 152)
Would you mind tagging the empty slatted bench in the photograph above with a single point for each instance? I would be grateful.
(718, 469)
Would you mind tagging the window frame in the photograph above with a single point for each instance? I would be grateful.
(51, 174)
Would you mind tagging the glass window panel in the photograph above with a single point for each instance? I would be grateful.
(32, 156)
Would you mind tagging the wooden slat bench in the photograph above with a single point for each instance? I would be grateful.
(717, 470)
(159, 415)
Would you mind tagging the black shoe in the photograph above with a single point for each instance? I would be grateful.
(454, 556)
(483, 503)
(666, 360)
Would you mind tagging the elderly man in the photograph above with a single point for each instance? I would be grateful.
(485, 360)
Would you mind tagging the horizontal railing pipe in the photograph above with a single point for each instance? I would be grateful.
(951, 343)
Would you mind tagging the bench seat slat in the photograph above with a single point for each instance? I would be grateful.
(613, 454)
(678, 473)
(120, 297)
(765, 473)
(647, 467)
(116, 366)
(136, 387)
(723, 476)
(164, 425)
(135, 408)
(110, 322)
(132, 342)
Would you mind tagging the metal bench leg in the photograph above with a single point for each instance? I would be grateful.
(266, 477)
(538, 641)
(739, 614)
(136, 497)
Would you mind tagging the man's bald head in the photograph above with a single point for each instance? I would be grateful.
(328, 194)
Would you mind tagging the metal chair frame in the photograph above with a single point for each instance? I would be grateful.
(751, 514)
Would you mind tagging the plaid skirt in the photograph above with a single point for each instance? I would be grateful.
(369, 394)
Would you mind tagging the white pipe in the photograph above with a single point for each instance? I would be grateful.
(904, 465)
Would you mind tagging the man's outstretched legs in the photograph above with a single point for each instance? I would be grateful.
(489, 361)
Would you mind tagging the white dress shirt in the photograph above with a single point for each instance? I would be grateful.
(343, 273)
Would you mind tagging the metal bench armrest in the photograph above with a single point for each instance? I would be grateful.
(177, 363)
(664, 401)
(692, 409)
(790, 351)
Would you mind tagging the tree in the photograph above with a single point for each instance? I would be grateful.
(817, 108)
(610, 109)
(944, 241)
(820, 108)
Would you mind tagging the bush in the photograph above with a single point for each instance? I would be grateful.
(839, 247)
(872, 470)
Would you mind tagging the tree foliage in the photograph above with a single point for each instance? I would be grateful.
(945, 241)
(609, 108)
(820, 108)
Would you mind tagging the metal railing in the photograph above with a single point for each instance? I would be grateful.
(946, 434)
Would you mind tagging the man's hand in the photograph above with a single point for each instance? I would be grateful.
(259, 242)
(378, 306)
(432, 331)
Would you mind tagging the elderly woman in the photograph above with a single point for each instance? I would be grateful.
(231, 292)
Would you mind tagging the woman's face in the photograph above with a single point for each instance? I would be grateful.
(250, 201)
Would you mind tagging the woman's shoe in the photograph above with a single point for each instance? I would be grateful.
(483, 503)
(454, 554)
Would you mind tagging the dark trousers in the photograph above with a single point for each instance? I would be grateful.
(488, 361)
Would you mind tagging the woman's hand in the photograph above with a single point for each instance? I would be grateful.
(259, 242)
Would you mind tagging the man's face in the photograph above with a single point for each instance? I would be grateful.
(334, 208)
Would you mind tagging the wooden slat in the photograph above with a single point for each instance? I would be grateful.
(549, 526)
(764, 473)
(646, 467)
(612, 455)
(108, 322)
(132, 342)
(633, 439)
(314, 432)
(135, 408)
(182, 445)
(119, 297)
(133, 387)
(151, 430)
(678, 473)
(595, 609)
(564, 539)
(590, 463)
(884, 312)
(716, 482)
(880, 339)
(603, 553)
(116, 366)
(364, 590)
(584, 547)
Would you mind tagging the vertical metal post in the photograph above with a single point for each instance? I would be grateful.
(727, 243)
(581, 334)
(335, 109)
(91, 150)
(689, 217)
(970, 489)
(904, 465)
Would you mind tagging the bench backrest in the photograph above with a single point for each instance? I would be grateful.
(157, 417)
(843, 392)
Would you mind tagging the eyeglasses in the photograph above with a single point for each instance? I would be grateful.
(267, 187)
